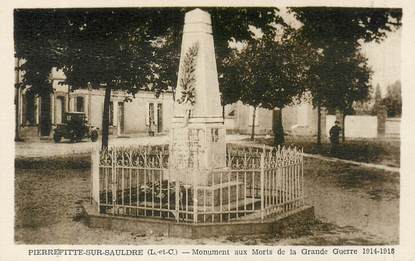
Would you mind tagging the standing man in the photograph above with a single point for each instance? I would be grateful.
(334, 136)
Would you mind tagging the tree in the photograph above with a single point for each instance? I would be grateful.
(269, 73)
(110, 49)
(354, 74)
(363, 107)
(121, 49)
(338, 83)
(393, 100)
(378, 107)
(242, 80)
(337, 35)
(35, 38)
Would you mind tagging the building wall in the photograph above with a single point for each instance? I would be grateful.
(137, 112)
(297, 119)
(289, 118)
(356, 126)
(241, 121)
(301, 119)
(393, 127)
(263, 120)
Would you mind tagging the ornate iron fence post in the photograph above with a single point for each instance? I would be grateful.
(302, 177)
(195, 180)
(177, 199)
(114, 179)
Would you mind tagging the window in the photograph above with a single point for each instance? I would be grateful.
(59, 109)
(79, 104)
(214, 134)
(151, 113)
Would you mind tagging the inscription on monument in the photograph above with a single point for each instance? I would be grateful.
(195, 147)
(188, 147)
(179, 148)
(214, 134)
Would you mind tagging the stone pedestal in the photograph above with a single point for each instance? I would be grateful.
(197, 133)
(196, 150)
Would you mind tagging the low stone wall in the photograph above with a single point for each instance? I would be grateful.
(356, 126)
(283, 225)
(393, 127)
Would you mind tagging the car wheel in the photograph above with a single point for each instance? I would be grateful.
(57, 137)
(94, 136)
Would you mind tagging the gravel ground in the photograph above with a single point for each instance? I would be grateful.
(47, 148)
(354, 206)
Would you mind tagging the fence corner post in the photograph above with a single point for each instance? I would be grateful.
(195, 196)
(95, 176)
(262, 183)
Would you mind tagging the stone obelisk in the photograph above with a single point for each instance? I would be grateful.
(198, 133)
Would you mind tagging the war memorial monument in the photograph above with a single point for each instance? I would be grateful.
(198, 185)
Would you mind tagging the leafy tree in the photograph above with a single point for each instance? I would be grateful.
(110, 49)
(363, 107)
(378, 106)
(242, 80)
(354, 74)
(35, 38)
(337, 35)
(131, 49)
(393, 100)
(269, 73)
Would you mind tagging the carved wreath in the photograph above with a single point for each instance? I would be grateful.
(187, 75)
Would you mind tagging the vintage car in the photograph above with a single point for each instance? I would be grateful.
(75, 127)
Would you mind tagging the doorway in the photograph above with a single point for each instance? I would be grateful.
(120, 118)
(59, 109)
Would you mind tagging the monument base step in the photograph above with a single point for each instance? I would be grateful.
(220, 185)
(233, 210)
(282, 224)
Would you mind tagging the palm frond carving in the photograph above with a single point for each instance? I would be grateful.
(187, 75)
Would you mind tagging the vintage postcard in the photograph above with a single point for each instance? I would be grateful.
(183, 130)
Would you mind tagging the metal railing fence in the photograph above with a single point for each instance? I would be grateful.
(258, 182)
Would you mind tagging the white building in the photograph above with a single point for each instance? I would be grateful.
(38, 116)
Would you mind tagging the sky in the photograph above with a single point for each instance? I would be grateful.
(384, 58)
